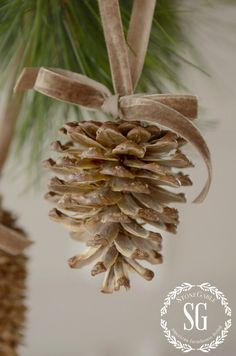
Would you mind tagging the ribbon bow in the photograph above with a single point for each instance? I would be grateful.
(172, 111)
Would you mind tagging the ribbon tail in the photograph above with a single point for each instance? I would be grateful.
(12, 242)
(143, 109)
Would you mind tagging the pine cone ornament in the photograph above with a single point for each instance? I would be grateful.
(112, 196)
(13, 275)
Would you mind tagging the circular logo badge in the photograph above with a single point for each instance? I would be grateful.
(195, 317)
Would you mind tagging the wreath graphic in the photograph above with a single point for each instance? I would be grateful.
(206, 287)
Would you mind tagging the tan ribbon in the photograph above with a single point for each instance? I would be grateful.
(138, 36)
(171, 111)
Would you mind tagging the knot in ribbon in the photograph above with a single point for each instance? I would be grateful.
(111, 106)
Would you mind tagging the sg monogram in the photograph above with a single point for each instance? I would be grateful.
(192, 312)
(195, 317)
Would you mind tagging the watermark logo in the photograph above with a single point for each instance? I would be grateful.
(195, 317)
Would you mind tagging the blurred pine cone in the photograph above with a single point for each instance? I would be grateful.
(12, 293)
(111, 197)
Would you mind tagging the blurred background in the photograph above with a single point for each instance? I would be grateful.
(66, 313)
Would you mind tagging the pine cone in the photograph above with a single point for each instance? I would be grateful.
(111, 195)
(12, 293)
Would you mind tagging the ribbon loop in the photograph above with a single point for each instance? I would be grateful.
(64, 85)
